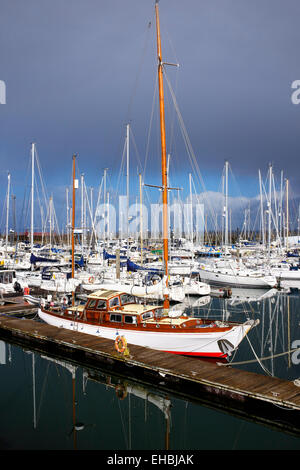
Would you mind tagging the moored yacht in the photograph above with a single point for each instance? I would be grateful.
(115, 315)
(235, 275)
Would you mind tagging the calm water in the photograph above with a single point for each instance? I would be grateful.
(48, 404)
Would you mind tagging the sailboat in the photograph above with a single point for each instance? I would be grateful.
(117, 315)
(233, 274)
(137, 285)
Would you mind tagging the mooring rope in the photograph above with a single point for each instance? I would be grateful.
(273, 356)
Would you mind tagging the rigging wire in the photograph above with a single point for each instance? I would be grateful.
(150, 126)
(137, 79)
(42, 392)
(259, 359)
(188, 144)
(139, 70)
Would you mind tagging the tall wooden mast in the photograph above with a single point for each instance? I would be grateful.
(287, 214)
(73, 226)
(163, 154)
(32, 197)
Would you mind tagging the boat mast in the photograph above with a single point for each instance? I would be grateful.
(32, 195)
(191, 209)
(269, 208)
(7, 209)
(67, 199)
(141, 217)
(104, 212)
(281, 208)
(127, 188)
(262, 212)
(287, 215)
(226, 203)
(163, 154)
(82, 210)
(50, 223)
(73, 227)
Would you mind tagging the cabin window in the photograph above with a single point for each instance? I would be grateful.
(130, 319)
(6, 278)
(101, 305)
(113, 302)
(158, 312)
(127, 299)
(92, 303)
(115, 317)
(147, 315)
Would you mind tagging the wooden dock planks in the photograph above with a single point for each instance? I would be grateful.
(16, 305)
(248, 384)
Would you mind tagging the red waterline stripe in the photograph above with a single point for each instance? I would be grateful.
(220, 354)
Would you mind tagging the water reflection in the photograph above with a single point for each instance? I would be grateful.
(272, 347)
(123, 389)
(66, 406)
(90, 404)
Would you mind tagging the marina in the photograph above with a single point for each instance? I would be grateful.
(190, 326)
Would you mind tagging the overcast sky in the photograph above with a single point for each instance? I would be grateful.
(77, 71)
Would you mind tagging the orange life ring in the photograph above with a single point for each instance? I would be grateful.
(120, 344)
(91, 279)
(121, 391)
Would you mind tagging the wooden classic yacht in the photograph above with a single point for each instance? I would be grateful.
(109, 314)
(112, 314)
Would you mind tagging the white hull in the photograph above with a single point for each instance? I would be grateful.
(173, 268)
(7, 288)
(154, 292)
(190, 302)
(204, 343)
(60, 285)
(192, 287)
(286, 275)
(219, 278)
(240, 295)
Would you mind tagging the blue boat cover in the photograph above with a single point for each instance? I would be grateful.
(36, 259)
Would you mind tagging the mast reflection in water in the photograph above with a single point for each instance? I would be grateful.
(50, 403)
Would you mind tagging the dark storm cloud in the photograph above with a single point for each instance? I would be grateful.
(77, 71)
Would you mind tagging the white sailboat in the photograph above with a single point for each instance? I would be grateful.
(235, 275)
(137, 284)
